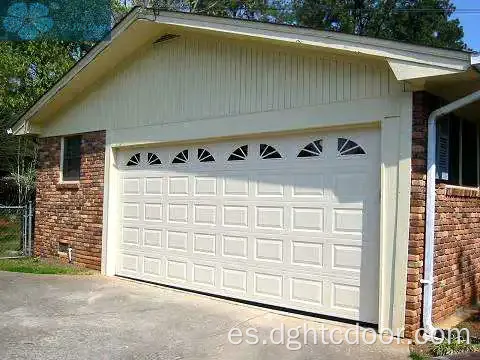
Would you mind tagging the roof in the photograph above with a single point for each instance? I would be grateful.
(140, 26)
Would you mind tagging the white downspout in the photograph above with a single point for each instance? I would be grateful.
(430, 206)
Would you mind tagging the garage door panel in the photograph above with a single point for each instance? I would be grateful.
(154, 185)
(267, 285)
(235, 215)
(301, 290)
(128, 264)
(178, 185)
(176, 240)
(131, 211)
(308, 219)
(300, 255)
(263, 268)
(348, 220)
(132, 186)
(346, 257)
(152, 238)
(235, 185)
(233, 280)
(306, 291)
(153, 266)
(131, 235)
(205, 214)
(235, 246)
(269, 250)
(307, 254)
(269, 217)
(153, 212)
(299, 232)
(176, 269)
(204, 275)
(345, 297)
(269, 186)
(205, 244)
(308, 185)
(177, 213)
(205, 186)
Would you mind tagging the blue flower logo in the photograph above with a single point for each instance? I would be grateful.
(28, 21)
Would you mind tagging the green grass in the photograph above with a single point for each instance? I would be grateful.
(38, 266)
(417, 356)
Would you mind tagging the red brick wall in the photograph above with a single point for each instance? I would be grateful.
(457, 233)
(457, 250)
(71, 213)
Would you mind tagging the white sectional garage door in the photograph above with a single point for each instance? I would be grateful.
(287, 221)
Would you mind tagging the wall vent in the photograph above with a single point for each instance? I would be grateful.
(166, 37)
(63, 247)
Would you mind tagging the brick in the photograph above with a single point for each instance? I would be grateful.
(66, 213)
(457, 233)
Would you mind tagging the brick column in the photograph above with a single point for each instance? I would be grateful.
(421, 111)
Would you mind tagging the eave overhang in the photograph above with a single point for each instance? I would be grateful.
(143, 26)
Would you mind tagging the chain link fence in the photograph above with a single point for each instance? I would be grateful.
(16, 231)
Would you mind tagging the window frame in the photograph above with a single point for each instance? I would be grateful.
(62, 160)
(461, 159)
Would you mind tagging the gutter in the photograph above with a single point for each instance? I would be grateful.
(427, 281)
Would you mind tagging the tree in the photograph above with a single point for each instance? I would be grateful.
(424, 22)
(28, 69)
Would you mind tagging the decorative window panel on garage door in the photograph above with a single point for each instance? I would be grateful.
(288, 221)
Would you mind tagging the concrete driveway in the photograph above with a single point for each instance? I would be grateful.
(94, 317)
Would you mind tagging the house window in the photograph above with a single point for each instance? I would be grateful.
(71, 158)
(457, 157)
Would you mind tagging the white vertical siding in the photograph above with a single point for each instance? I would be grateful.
(192, 78)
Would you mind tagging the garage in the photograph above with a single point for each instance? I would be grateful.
(290, 221)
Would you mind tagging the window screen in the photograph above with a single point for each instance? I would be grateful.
(71, 158)
(469, 154)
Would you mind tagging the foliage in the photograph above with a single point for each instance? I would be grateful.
(246, 9)
(418, 356)
(38, 266)
(28, 69)
(25, 174)
(455, 346)
(425, 22)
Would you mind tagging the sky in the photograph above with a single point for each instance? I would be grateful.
(470, 21)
